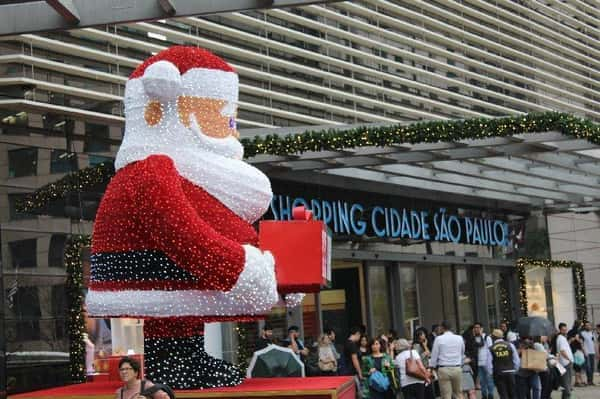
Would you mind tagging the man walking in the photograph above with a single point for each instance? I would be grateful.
(447, 357)
(503, 363)
(349, 363)
(483, 343)
(589, 348)
(565, 357)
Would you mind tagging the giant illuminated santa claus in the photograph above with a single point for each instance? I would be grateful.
(173, 241)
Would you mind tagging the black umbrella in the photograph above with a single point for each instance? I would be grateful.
(275, 361)
(534, 326)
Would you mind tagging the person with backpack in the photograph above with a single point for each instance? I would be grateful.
(503, 364)
(136, 388)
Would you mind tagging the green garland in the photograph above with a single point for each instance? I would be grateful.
(82, 180)
(244, 354)
(505, 308)
(422, 132)
(578, 282)
(75, 319)
(332, 139)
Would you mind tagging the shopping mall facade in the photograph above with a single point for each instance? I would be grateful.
(403, 219)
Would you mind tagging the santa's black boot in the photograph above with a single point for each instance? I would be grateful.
(175, 356)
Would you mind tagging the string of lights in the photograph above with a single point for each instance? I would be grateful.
(76, 318)
(578, 282)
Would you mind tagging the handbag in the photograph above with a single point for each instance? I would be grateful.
(379, 381)
(415, 369)
(534, 360)
(327, 365)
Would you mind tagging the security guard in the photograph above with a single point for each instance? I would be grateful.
(503, 364)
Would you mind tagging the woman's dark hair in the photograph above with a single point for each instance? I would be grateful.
(418, 333)
(381, 345)
(361, 337)
(135, 365)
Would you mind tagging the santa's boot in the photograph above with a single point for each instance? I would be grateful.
(174, 355)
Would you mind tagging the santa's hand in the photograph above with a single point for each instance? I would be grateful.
(258, 280)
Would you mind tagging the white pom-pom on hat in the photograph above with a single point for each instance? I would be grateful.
(162, 81)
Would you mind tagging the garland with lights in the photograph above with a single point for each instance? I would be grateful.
(75, 320)
(244, 354)
(81, 180)
(505, 308)
(578, 282)
(332, 139)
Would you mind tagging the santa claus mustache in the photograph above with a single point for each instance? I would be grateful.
(228, 147)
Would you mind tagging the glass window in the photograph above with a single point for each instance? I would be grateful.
(22, 162)
(465, 298)
(27, 312)
(537, 282)
(98, 159)
(56, 250)
(62, 161)
(96, 138)
(492, 296)
(410, 302)
(23, 253)
(379, 300)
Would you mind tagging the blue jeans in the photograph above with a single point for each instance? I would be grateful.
(589, 368)
(486, 380)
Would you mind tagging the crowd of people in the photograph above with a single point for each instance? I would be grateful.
(441, 363)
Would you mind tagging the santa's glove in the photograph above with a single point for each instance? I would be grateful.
(256, 287)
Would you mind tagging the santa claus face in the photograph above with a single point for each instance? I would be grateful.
(212, 122)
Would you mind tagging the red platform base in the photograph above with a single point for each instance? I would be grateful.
(256, 388)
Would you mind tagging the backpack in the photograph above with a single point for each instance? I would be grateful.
(379, 381)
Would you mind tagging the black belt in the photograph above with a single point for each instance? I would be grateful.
(449, 365)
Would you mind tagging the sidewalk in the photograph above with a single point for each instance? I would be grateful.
(583, 392)
(578, 393)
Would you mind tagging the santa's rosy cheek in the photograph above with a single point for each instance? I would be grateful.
(153, 113)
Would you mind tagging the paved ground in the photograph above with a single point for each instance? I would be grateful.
(578, 393)
(583, 392)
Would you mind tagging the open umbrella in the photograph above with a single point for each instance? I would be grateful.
(275, 361)
(534, 326)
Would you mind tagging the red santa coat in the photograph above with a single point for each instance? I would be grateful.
(164, 247)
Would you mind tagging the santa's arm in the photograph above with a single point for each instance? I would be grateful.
(178, 231)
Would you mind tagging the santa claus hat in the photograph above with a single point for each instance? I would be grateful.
(182, 70)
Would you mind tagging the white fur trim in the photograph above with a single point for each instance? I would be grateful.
(254, 293)
(197, 82)
(211, 83)
(162, 81)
